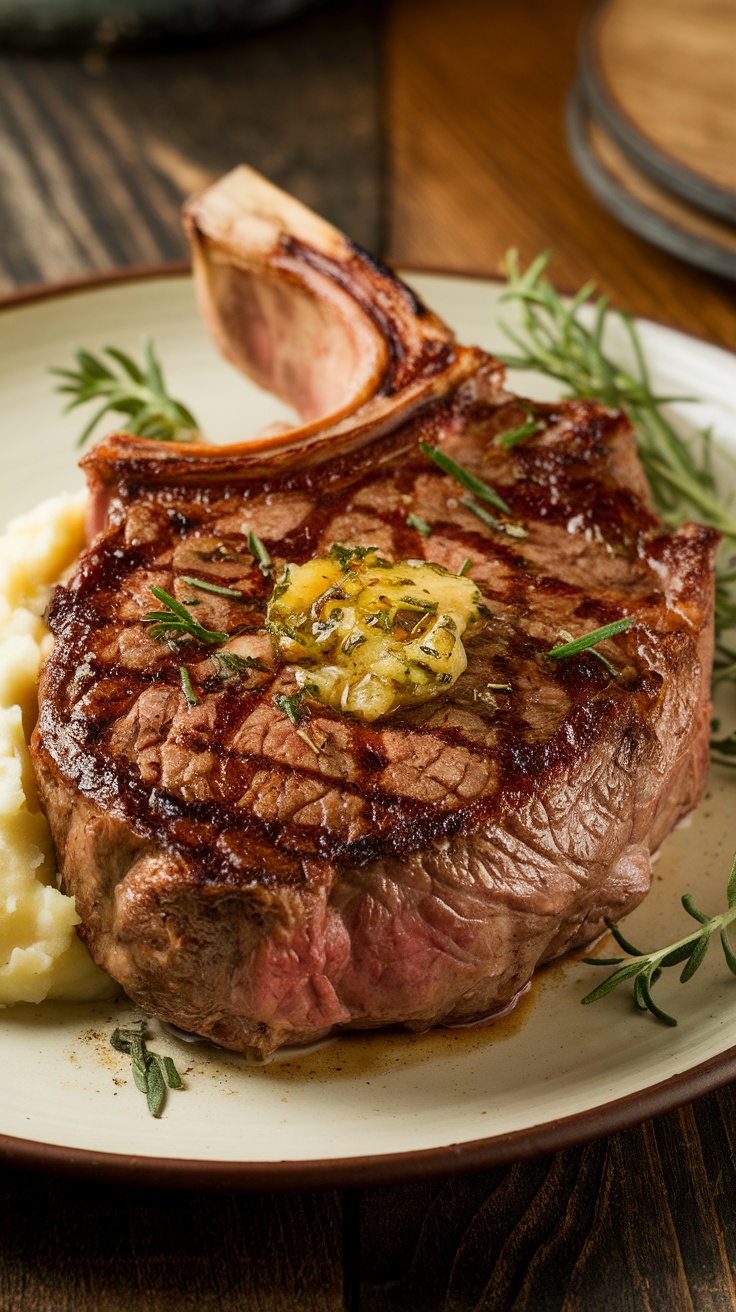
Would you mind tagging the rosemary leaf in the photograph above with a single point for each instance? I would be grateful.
(186, 683)
(465, 478)
(731, 888)
(697, 955)
(231, 593)
(156, 1090)
(589, 639)
(421, 525)
(176, 620)
(515, 435)
(258, 551)
(728, 952)
(343, 556)
(692, 910)
(464, 568)
(501, 526)
(173, 1078)
(646, 967)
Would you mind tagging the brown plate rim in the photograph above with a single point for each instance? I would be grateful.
(413, 1165)
(664, 168)
(98, 279)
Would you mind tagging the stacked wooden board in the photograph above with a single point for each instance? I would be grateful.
(651, 122)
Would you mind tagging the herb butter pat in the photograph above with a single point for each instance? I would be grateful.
(367, 635)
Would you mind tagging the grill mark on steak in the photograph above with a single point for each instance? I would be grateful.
(400, 809)
(415, 869)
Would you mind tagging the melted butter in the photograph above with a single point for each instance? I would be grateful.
(367, 635)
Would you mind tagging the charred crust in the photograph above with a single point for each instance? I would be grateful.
(564, 485)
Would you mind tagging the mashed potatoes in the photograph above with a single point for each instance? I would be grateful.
(40, 954)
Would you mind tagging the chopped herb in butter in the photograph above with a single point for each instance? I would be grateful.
(367, 635)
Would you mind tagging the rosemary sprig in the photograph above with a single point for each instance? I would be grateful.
(216, 588)
(151, 1072)
(463, 476)
(176, 620)
(555, 341)
(645, 968)
(576, 645)
(138, 393)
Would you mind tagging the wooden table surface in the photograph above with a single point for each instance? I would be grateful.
(430, 130)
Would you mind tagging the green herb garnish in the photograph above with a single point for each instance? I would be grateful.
(137, 393)
(151, 1073)
(231, 666)
(186, 683)
(259, 553)
(588, 640)
(343, 555)
(176, 620)
(500, 525)
(464, 568)
(292, 706)
(421, 525)
(294, 709)
(513, 435)
(465, 478)
(646, 967)
(231, 593)
(553, 339)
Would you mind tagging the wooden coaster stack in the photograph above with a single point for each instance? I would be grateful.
(651, 122)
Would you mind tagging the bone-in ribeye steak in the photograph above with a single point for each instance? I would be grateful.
(417, 869)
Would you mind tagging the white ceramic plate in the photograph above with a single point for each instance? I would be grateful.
(384, 1106)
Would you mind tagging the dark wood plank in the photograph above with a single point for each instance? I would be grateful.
(95, 158)
(478, 162)
(644, 1221)
(71, 1247)
(97, 154)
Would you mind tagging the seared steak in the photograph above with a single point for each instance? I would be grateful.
(249, 887)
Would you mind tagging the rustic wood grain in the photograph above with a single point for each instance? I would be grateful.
(474, 102)
(94, 160)
(71, 1247)
(97, 154)
(668, 67)
(642, 1222)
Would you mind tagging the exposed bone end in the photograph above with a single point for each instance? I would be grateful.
(296, 306)
(243, 213)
